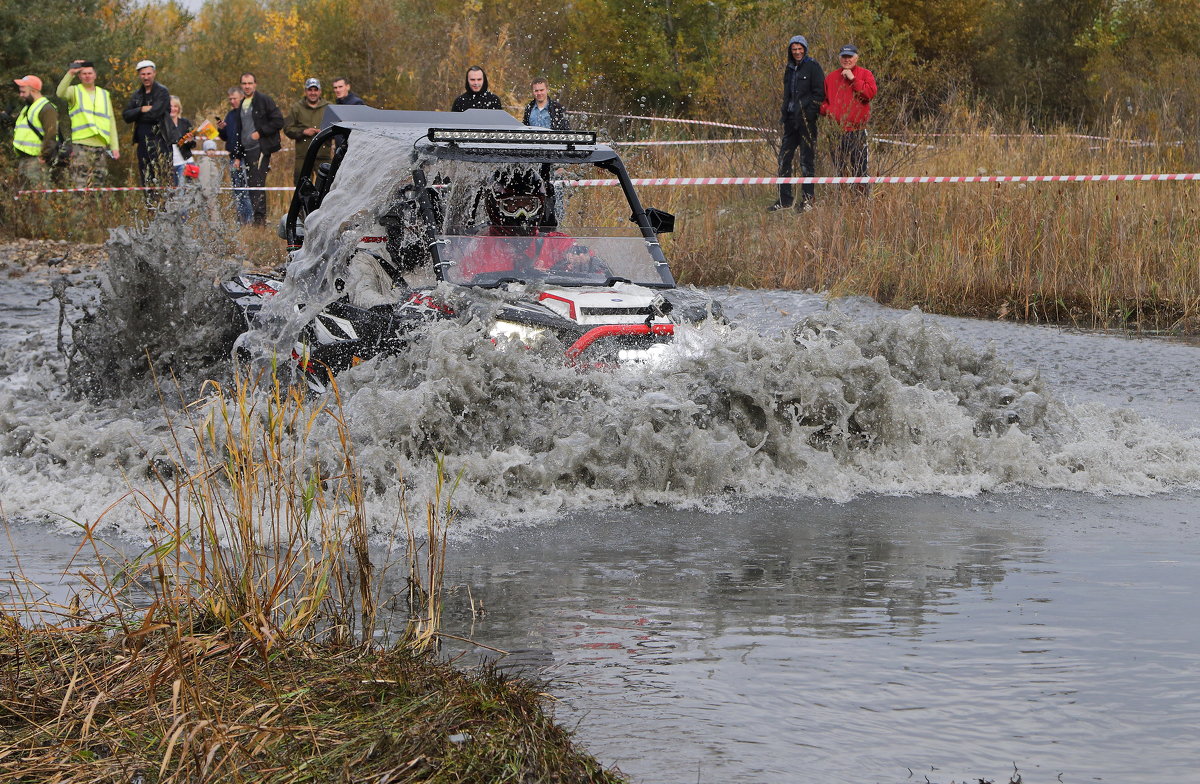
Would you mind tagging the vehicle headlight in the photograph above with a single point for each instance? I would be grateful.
(513, 331)
(649, 354)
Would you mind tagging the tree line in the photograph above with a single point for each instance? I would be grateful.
(1032, 63)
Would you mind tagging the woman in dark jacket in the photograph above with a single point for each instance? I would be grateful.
(477, 95)
(182, 143)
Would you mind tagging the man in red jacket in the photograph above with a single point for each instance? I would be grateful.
(848, 93)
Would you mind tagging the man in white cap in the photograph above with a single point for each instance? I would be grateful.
(35, 137)
(148, 111)
(304, 122)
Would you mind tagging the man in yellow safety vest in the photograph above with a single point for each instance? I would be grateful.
(35, 136)
(93, 125)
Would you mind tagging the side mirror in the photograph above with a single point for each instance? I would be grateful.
(283, 233)
(661, 222)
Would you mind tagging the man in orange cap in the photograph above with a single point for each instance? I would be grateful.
(35, 136)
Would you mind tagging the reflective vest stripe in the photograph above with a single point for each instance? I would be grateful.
(96, 121)
(26, 136)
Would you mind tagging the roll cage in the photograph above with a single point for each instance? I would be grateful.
(485, 136)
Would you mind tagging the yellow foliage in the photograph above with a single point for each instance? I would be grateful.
(283, 29)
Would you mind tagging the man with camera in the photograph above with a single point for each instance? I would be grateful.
(35, 136)
(147, 111)
(93, 125)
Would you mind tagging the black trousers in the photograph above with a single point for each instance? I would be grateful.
(802, 137)
(154, 163)
(850, 157)
(257, 167)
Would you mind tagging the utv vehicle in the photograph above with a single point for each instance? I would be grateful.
(478, 206)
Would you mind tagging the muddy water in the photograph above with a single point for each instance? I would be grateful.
(810, 546)
(772, 634)
(885, 638)
(808, 641)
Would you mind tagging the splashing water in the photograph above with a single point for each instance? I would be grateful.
(158, 310)
(831, 408)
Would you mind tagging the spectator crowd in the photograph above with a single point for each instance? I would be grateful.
(165, 140)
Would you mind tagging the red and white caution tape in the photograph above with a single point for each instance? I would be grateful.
(687, 141)
(708, 123)
(890, 180)
(143, 188)
(1084, 136)
(655, 181)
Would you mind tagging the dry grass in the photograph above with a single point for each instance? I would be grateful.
(1096, 254)
(246, 643)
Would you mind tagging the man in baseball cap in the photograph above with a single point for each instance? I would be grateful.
(35, 136)
(849, 90)
(303, 123)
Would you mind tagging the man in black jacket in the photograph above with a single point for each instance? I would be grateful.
(230, 131)
(344, 95)
(803, 94)
(261, 122)
(477, 95)
(148, 110)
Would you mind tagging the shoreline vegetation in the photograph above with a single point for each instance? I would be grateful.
(249, 640)
(1102, 87)
(1112, 255)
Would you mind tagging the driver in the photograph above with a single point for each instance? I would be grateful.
(374, 275)
(516, 207)
(370, 282)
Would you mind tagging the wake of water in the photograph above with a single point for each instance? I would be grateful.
(831, 408)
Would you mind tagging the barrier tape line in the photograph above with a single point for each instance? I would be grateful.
(144, 188)
(687, 141)
(708, 123)
(1083, 136)
(984, 178)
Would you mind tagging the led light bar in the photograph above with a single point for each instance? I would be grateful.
(477, 136)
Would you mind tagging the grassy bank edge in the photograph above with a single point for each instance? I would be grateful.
(246, 642)
(81, 705)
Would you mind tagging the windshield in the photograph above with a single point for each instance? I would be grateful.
(577, 258)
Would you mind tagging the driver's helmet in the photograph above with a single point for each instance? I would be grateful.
(515, 199)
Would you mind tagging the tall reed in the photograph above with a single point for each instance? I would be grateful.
(246, 640)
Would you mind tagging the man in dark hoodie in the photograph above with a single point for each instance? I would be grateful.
(803, 94)
(477, 95)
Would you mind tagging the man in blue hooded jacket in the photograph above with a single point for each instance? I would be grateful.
(803, 94)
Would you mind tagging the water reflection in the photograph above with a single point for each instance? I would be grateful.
(852, 642)
(827, 570)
